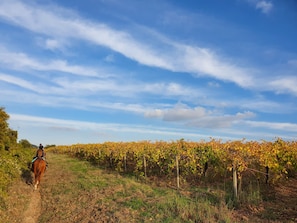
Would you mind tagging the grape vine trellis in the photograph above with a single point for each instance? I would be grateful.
(190, 161)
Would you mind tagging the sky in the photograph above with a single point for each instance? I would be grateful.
(93, 71)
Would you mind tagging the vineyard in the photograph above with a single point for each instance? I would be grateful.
(192, 162)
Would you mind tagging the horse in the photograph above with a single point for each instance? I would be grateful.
(39, 167)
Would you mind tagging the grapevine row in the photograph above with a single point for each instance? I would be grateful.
(276, 159)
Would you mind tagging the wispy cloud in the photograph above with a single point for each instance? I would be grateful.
(21, 61)
(198, 117)
(158, 133)
(52, 44)
(73, 125)
(178, 57)
(204, 62)
(193, 59)
(285, 85)
(262, 5)
(289, 127)
(221, 121)
(19, 82)
(125, 66)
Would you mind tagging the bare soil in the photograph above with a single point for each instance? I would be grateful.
(279, 205)
(63, 197)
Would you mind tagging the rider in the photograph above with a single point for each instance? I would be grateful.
(36, 156)
(41, 147)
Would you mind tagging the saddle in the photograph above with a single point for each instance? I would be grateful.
(34, 159)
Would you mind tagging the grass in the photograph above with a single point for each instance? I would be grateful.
(77, 191)
(85, 190)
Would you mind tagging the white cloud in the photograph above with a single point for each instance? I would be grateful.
(176, 57)
(198, 117)
(166, 54)
(265, 106)
(202, 61)
(289, 127)
(220, 121)
(80, 127)
(179, 112)
(284, 85)
(19, 82)
(90, 132)
(264, 6)
(51, 44)
(21, 61)
(42, 20)
(183, 113)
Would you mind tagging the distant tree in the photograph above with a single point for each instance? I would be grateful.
(4, 129)
(25, 143)
(8, 137)
(13, 136)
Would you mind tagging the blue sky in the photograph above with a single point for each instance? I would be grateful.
(95, 70)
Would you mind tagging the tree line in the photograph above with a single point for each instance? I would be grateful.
(8, 136)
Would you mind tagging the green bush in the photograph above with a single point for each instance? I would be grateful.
(13, 164)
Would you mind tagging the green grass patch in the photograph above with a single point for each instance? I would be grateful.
(82, 186)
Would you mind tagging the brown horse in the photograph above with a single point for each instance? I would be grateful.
(39, 167)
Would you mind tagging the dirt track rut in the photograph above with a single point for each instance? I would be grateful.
(32, 213)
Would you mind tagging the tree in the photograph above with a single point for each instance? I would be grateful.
(8, 136)
(3, 127)
(13, 136)
(25, 143)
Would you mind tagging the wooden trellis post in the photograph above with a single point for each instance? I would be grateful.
(125, 162)
(99, 157)
(177, 171)
(235, 185)
(144, 165)
(266, 174)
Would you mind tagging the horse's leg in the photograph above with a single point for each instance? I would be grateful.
(36, 182)
(37, 175)
(36, 185)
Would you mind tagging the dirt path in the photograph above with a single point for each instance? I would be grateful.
(23, 204)
(31, 215)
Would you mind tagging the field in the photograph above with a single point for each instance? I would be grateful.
(90, 183)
